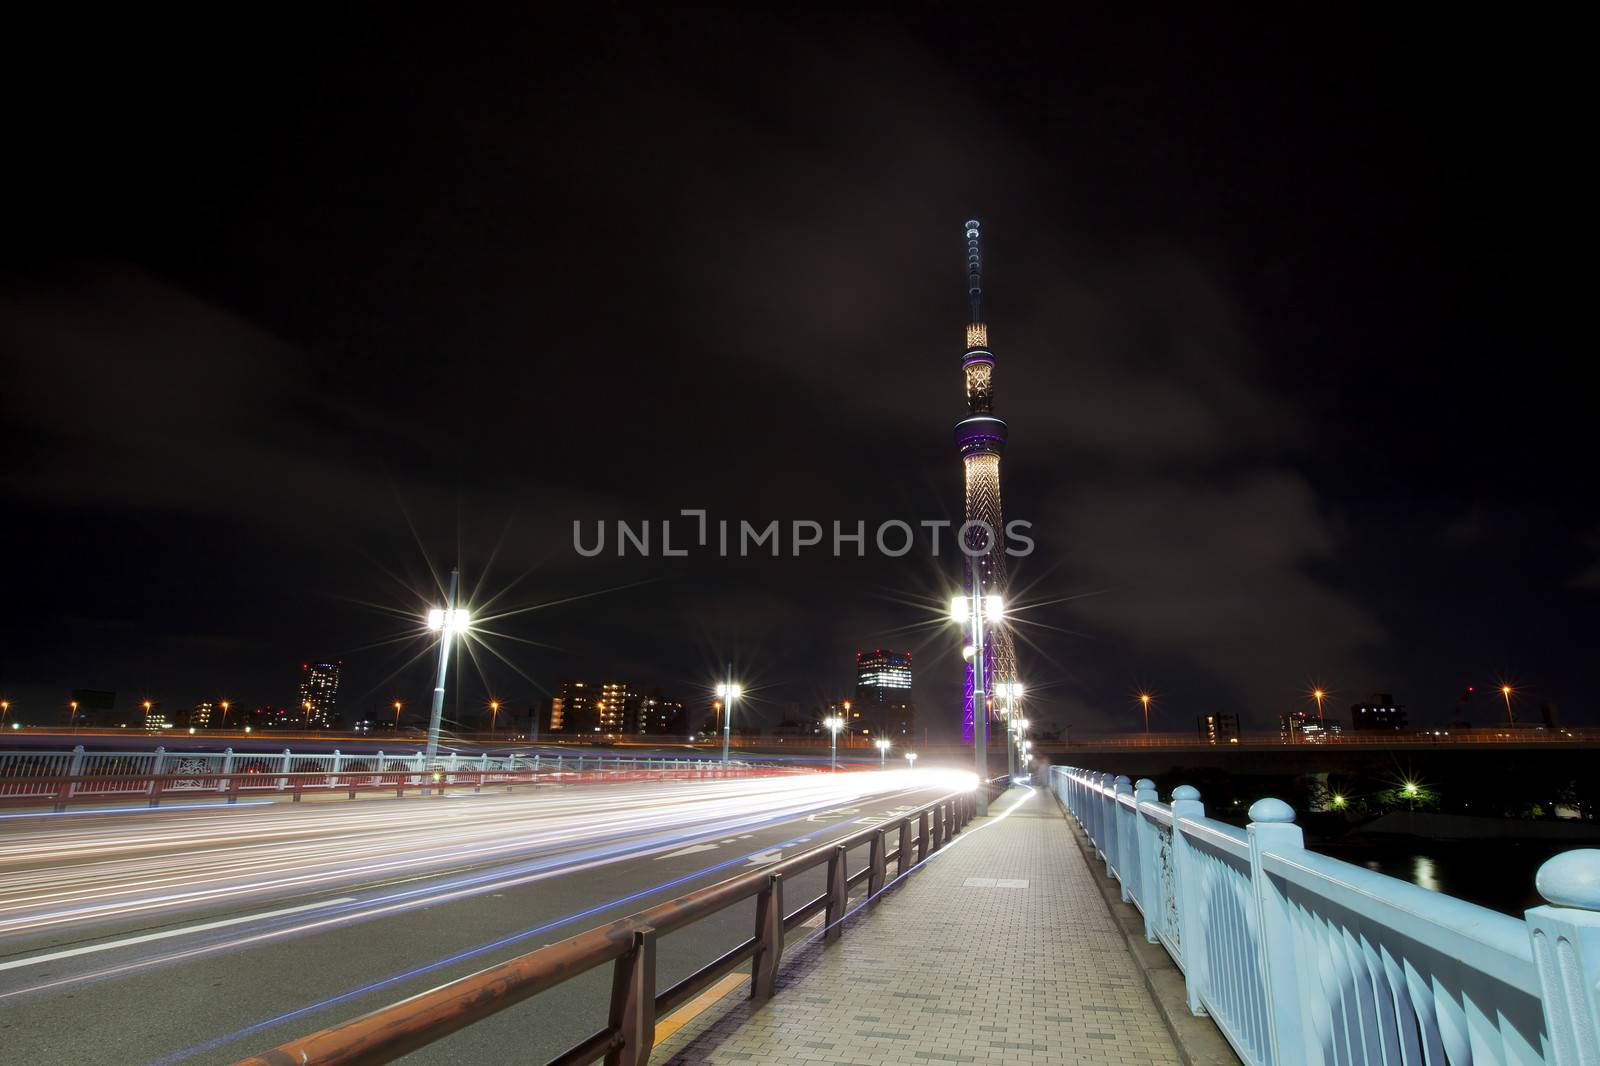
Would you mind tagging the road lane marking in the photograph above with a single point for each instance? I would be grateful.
(34, 960)
(692, 849)
(693, 1009)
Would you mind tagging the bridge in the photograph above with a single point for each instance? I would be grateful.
(653, 909)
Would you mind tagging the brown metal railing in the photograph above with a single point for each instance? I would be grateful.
(59, 792)
(629, 944)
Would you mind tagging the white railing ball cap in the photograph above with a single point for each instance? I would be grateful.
(1185, 792)
(1571, 879)
(1122, 779)
(1271, 810)
(1144, 784)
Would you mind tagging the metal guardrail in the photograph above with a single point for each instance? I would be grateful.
(1304, 959)
(59, 792)
(630, 945)
(78, 762)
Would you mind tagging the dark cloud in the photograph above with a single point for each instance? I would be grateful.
(417, 296)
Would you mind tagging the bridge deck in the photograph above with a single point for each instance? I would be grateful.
(998, 950)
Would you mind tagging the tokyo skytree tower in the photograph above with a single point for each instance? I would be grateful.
(981, 438)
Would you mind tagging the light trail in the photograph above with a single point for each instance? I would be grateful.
(49, 882)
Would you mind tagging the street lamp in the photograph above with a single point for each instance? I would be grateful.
(224, 714)
(1505, 690)
(1144, 698)
(494, 712)
(974, 611)
(449, 622)
(1318, 694)
(728, 692)
(72, 717)
(833, 723)
(883, 750)
(911, 760)
(5, 711)
(397, 706)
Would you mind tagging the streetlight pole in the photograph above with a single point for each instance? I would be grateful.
(883, 751)
(729, 692)
(1144, 698)
(981, 607)
(447, 623)
(1319, 694)
(1505, 690)
(911, 760)
(494, 712)
(833, 722)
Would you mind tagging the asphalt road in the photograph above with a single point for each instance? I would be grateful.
(205, 935)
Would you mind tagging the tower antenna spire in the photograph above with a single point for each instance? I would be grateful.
(974, 271)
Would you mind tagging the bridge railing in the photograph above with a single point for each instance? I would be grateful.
(17, 767)
(629, 944)
(1301, 958)
(190, 784)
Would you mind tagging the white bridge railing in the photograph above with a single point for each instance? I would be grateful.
(18, 767)
(1303, 959)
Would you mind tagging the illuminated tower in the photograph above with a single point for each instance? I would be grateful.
(981, 437)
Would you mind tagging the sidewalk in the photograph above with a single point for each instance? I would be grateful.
(999, 950)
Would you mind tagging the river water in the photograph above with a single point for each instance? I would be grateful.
(1497, 874)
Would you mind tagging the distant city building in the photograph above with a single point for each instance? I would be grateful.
(1305, 725)
(1380, 714)
(152, 717)
(883, 693)
(93, 706)
(1550, 714)
(572, 709)
(618, 703)
(319, 689)
(657, 715)
(1218, 728)
(204, 715)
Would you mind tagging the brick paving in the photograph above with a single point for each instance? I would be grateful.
(999, 950)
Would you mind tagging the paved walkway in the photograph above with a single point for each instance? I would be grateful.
(999, 950)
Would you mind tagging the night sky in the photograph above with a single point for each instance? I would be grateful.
(294, 310)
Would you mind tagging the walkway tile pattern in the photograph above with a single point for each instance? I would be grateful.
(951, 967)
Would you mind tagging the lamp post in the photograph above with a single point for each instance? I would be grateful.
(5, 711)
(974, 611)
(494, 712)
(224, 706)
(728, 692)
(1144, 698)
(397, 706)
(72, 716)
(883, 751)
(1318, 694)
(833, 723)
(911, 760)
(1011, 692)
(1505, 690)
(447, 622)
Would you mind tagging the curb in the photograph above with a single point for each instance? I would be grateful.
(1198, 1040)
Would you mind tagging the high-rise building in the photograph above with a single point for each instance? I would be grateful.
(981, 438)
(319, 689)
(617, 709)
(1380, 714)
(204, 714)
(572, 708)
(152, 717)
(1219, 728)
(657, 715)
(883, 692)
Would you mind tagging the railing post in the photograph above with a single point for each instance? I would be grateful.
(1186, 886)
(769, 939)
(903, 864)
(161, 761)
(283, 781)
(633, 1001)
(1565, 933)
(878, 862)
(76, 768)
(338, 760)
(1272, 829)
(838, 897)
(63, 790)
(1122, 827)
(1146, 843)
(922, 835)
(227, 761)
